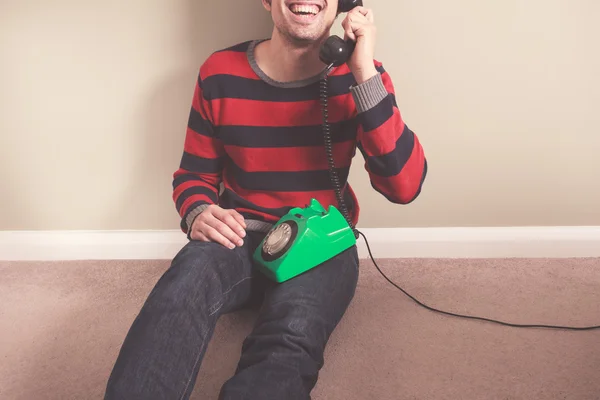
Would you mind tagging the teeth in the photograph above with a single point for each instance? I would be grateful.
(304, 9)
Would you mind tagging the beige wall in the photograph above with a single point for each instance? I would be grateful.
(505, 97)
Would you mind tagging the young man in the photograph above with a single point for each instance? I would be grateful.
(255, 129)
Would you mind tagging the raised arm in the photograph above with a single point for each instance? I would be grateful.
(394, 157)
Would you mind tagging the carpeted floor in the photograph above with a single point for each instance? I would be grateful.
(61, 325)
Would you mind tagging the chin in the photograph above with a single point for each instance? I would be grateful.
(305, 38)
(304, 35)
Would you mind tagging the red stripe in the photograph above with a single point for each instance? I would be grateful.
(186, 204)
(228, 62)
(382, 140)
(189, 184)
(209, 179)
(260, 113)
(387, 82)
(201, 145)
(290, 159)
(341, 70)
(405, 185)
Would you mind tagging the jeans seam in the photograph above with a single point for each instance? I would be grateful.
(187, 385)
(218, 305)
(215, 308)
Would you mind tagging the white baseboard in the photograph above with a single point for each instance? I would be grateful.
(500, 242)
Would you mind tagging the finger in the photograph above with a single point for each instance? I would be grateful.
(359, 18)
(196, 234)
(348, 31)
(239, 218)
(224, 230)
(354, 22)
(213, 235)
(358, 30)
(227, 216)
(202, 237)
(362, 10)
(233, 223)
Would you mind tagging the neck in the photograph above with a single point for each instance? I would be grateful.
(285, 61)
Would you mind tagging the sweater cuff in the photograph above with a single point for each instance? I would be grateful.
(191, 217)
(369, 93)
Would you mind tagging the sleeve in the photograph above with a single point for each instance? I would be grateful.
(197, 180)
(394, 157)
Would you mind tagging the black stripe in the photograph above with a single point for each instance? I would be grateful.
(230, 199)
(391, 164)
(197, 123)
(194, 163)
(221, 86)
(424, 174)
(349, 201)
(181, 179)
(230, 86)
(286, 181)
(259, 136)
(195, 190)
(417, 193)
(239, 47)
(378, 115)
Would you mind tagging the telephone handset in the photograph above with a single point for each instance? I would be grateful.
(336, 51)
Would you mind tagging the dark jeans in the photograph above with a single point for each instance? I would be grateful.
(281, 358)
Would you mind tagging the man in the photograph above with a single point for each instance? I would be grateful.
(255, 129)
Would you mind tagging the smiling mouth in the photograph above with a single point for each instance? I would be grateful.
(305, 9)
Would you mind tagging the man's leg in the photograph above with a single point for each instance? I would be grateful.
(283, 355)
(161, 355)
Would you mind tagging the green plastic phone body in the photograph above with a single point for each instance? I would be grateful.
(303, 239)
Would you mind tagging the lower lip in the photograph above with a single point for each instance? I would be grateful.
(303, 19)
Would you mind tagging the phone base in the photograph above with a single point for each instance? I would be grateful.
(301, 240)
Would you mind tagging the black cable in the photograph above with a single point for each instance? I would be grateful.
(584, 328)
(335, 181)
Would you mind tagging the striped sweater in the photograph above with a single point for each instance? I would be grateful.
(256, 145)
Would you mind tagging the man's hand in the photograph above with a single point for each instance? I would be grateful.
(216, 224)
(359, 26)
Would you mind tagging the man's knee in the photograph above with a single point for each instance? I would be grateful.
(200, 270)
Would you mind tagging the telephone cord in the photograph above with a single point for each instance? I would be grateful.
(337, 187)
(333, 173)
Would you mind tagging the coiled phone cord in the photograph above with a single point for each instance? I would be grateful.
(337, 187)
(333, 173)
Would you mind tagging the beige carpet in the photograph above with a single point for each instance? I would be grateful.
(61, 325)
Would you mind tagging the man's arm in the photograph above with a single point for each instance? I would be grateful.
(393, 154)
(394, 157)
(196, 182)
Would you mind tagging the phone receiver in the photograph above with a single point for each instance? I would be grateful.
(336, 51)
